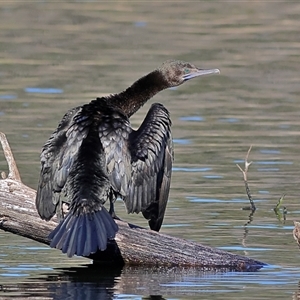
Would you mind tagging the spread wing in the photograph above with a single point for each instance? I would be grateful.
(151, 159)
(57, 157)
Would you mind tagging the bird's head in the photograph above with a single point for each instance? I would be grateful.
(177, 72)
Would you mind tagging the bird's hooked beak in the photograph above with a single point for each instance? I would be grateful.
(200, 72)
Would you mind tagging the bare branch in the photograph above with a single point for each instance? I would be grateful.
(12, 166)
(247, 165)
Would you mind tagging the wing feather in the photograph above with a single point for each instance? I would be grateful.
(57, 158)
(152, 157)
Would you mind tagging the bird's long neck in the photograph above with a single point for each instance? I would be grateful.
(134, 97)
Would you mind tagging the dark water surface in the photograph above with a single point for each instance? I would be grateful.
(54, 56)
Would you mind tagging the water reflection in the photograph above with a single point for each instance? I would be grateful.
(106, 282)
(85, 282)
(229, 120)
(185, 169)
(43, 90)
(7, 97)
(181, 141)
(95, 282)
(192, 118)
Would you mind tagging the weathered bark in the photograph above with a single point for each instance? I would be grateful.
(132, 245)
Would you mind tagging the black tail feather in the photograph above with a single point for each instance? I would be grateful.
(67, 246)
(58, 235)
(81, 237)
(101, 237)
(84, 234)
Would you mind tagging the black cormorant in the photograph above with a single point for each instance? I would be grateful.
(94, 155)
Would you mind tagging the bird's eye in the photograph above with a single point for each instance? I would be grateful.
(186, 71)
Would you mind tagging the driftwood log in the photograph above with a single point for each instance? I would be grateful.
(133, 245)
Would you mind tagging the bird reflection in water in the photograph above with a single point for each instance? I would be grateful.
(94, 282)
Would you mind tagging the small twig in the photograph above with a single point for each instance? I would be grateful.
(12, 166)
(246, 231)
(247, 165)
(277, 209)
(250, 218)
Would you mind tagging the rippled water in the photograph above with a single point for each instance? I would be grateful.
(57, 56)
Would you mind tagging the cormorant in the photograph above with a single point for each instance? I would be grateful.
(94, 155)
